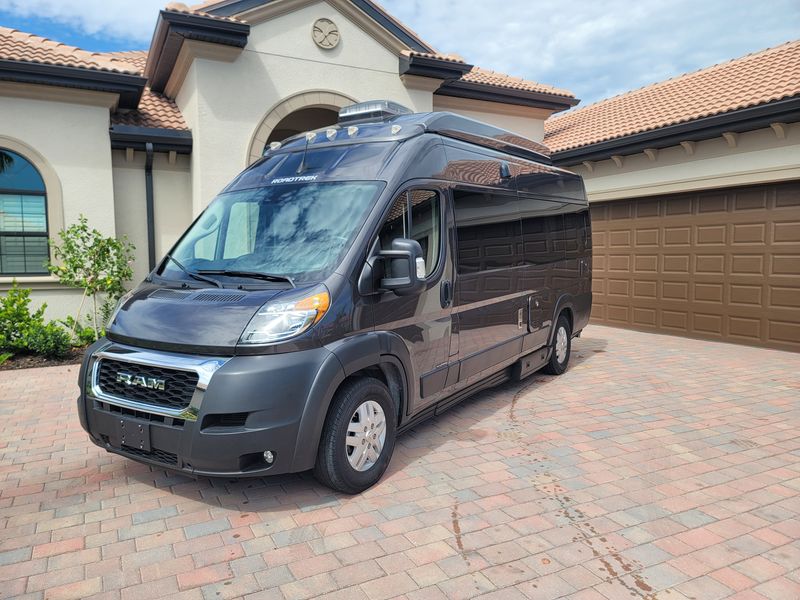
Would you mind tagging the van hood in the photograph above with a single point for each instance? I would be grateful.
(203, 320)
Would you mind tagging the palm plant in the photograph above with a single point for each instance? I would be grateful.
(6, 160)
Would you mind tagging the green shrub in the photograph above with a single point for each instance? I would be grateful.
(48, 340)
(83, 335)
(16, 320)
(23, 331)
(4, 356)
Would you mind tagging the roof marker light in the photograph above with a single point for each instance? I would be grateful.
(310, 136)
(396, 129)
(274, 145)
(352, 130)
(330, 134)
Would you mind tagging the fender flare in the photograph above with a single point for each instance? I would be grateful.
(564, 301)
(347, 356)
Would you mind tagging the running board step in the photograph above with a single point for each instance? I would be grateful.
(529, 364)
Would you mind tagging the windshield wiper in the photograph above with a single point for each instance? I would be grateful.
(250, 274)
(192, 274)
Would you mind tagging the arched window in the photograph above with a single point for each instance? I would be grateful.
(23, 217)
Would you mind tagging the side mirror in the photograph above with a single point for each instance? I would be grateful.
(404, 267)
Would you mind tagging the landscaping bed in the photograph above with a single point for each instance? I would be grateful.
(32, 361)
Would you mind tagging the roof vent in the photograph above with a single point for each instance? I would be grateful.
(372, 111)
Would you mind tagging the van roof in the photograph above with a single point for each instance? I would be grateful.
(446, 124)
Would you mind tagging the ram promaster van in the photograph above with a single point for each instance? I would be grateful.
(351, 283)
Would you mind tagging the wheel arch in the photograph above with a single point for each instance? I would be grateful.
(381, 355)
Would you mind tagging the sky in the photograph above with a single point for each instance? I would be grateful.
(594, 48)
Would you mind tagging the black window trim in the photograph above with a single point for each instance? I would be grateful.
(405, 190)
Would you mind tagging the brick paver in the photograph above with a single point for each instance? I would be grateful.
(656, 467)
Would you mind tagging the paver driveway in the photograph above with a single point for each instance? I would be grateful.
(656, 467)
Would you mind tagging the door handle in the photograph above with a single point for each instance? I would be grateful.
(446, 293)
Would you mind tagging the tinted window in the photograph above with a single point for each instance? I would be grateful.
(488, 230)
(423, 224)
(543, 231)
(576, 233)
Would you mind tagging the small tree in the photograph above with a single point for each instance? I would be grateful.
(94, 262)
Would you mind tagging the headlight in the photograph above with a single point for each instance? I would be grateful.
(120, 303)
(286, 318)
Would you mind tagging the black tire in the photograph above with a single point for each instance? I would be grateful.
(333, 467)
(555, 366)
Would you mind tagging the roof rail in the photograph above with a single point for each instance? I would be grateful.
(481, 134)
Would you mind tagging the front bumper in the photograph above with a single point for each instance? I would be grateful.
(241, 406)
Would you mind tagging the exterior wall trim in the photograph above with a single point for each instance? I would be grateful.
(163, 140)
(55, 203)
(738, 121)
(308, 99)
(128, 87)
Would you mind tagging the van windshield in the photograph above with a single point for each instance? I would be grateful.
(300, 231)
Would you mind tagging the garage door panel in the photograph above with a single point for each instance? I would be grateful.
(711, 235)
(784, 297)
(743, 294)
(721, 264)
(787, 232)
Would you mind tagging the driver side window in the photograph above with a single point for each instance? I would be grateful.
(416, 215)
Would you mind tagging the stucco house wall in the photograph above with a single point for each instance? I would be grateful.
(64, 133)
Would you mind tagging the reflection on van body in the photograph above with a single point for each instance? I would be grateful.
(350, 284)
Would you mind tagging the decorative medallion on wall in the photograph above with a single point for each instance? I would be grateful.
(325, 34)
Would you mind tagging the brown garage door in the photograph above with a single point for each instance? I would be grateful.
(717, 264)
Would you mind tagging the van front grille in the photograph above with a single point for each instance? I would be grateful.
(144, 383)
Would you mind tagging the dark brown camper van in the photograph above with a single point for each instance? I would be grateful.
(354, 281)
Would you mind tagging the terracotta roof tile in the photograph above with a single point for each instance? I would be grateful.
(26, 47)
(483, 76)
(755, 79)
(135, 58)
(495, 79)
(155, 110)
(180, 7)
(448, 57)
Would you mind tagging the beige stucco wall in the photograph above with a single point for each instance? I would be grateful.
(759, 157)
(225, 102)
(524, 120)
(65, 134)
(171, 198)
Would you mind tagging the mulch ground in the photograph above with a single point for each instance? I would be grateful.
(30, 361)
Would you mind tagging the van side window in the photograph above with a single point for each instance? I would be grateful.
(543, 230)
(488, 229)
(422, 223)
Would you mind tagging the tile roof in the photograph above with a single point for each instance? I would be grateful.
(483, 76)
(155, 110)
(135, 58)
(755, 79)
(26, 47)
(501, 80)
(180, 7)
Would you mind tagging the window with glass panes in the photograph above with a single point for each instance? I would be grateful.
(23, 217)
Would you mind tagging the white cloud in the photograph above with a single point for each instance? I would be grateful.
(599, 48)
(129, 20)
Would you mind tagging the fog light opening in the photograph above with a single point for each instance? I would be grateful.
(269, 457)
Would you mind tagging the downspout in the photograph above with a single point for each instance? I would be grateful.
(148, 190)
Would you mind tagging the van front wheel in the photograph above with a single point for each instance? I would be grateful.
(560, 348)
(358, 438)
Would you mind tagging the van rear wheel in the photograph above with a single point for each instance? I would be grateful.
(560, 347)
(358, 437)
